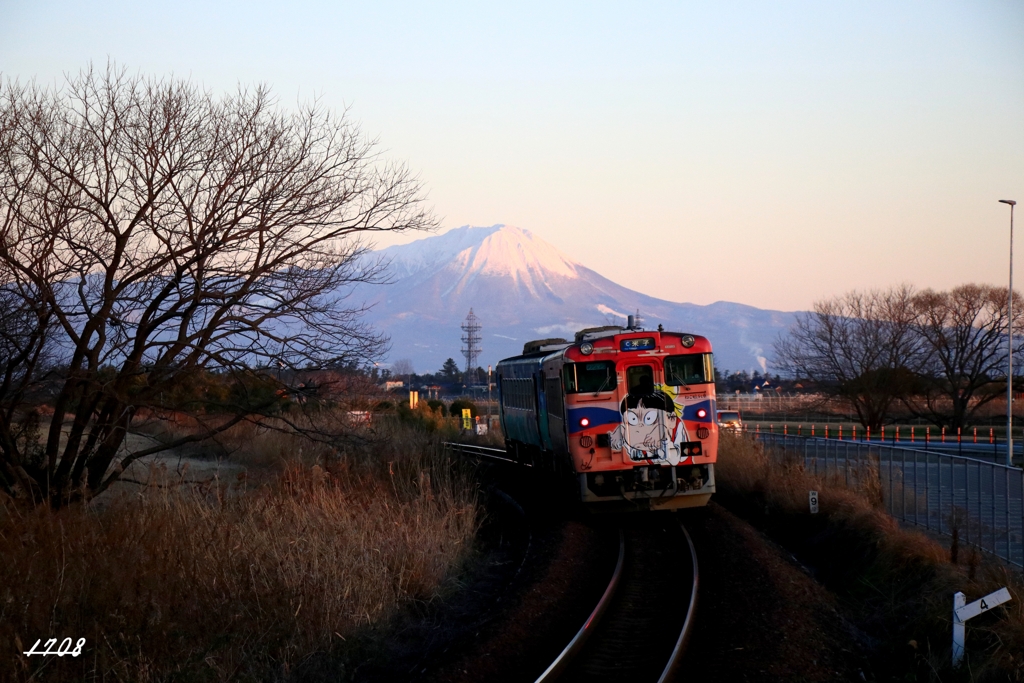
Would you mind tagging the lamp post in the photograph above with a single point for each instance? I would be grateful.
(1009, 369)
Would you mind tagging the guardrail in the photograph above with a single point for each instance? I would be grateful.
(983, 501)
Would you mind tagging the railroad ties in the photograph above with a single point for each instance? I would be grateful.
(638, 631)
(641, 634)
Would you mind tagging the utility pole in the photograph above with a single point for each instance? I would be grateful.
(1009, 326)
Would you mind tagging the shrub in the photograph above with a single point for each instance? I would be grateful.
(217, 582)
(456, 407)
(900, 581)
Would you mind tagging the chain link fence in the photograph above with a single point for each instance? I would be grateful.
(983, 502)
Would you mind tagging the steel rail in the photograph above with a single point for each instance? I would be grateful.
(684, 635)
(486, 452)
(574, 646)
(578, 641)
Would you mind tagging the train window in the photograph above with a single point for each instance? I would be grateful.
(589, 378)
(518, 393)
(640, 379)
(696, 368)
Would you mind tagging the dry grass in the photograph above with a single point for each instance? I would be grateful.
(220, 582)
(900, 582)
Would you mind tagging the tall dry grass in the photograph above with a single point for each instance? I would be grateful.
(898, 581)
(233, 582)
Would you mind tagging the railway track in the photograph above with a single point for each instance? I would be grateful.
(639, 629)
(482, 452)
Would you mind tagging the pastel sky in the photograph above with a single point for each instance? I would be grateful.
(765, 153)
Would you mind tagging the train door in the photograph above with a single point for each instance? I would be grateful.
(556, 413)
(646, 415)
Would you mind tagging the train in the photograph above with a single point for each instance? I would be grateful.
(626, 416)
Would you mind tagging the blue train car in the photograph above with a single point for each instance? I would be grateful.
(524, 414)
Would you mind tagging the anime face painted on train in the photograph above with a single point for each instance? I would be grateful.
(651, 428)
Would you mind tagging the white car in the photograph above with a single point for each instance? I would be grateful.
(730, 421)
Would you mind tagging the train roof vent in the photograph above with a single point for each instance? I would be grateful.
(598, 332)
(544, 345)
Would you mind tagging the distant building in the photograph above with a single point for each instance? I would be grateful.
(388, 386)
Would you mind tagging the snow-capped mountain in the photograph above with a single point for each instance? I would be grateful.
(522, 288)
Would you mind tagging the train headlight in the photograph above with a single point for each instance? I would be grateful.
(702, 413)
(586, 348)
(688, 340)
(584, 422)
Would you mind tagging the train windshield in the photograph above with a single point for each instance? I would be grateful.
(584, 378)
(640, 379)
(696, 368)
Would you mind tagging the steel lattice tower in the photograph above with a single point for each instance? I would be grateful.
(471, 339)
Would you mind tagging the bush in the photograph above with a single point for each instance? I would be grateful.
(898, 581)
(436, 406)
(455, 409)
(217, 583)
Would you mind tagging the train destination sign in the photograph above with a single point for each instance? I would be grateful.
(640, 344)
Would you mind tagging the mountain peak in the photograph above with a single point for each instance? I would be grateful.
(522, 288)
(495, 250)
(515, 252)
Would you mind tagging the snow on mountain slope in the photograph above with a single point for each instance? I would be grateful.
(499, 249)
(523, 288)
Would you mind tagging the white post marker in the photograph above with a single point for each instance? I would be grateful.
(962, 612)
(813, 498)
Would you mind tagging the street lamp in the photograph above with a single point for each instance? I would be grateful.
(1009, 371)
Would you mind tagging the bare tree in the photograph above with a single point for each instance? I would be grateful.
(403, 369)
(965, 332)
(149, 230)
(863, 346)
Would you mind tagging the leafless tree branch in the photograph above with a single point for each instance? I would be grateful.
(149, 230)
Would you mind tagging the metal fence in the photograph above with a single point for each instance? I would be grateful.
(983, 500)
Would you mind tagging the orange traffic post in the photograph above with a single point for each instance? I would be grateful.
(991, 436)
(826, 431)
(812, 430)
(869, 433)
(943, 435)
(854, 429)
(785, 429)
(883, 433)
(897, 432)
(975, 435)
(958, 435)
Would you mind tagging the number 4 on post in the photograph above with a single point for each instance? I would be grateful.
(962, 612)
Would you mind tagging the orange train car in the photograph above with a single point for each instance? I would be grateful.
(627, 414)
